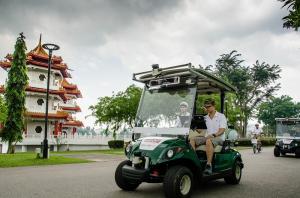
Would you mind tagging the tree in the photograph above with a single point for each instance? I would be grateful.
(282, 107)
(254, 83)
(293, 19)
(118, 109)
(15, 96)
(3, 110)
(86, 131)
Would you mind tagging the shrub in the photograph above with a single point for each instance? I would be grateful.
(244, 142)
(116, 144)
(265, 142)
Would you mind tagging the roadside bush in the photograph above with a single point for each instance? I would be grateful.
(244, 142)
(268, 141)
(264, 141)
(116, 144)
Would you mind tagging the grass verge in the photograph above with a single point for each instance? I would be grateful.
(108, 151)
(29, 159)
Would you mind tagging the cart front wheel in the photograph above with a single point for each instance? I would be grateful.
(276, 152)
(178, 182)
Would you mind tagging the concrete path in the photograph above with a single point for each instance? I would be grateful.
(263, 176)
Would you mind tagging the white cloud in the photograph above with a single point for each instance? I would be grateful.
(104, 42)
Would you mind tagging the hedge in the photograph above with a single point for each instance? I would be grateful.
(264, 141)
(116, 144)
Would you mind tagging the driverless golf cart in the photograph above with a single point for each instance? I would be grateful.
(288, 136)
(160, 151)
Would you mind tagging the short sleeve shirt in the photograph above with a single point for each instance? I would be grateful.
(257, 131)
(214, 124)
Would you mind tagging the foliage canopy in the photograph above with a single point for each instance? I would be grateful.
(254, 83)
(293, 19)
(281, 107)
(117, 110)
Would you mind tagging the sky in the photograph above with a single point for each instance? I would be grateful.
(105, 41)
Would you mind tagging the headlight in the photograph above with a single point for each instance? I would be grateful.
(170, 153)
(128, 148)
(296, 144)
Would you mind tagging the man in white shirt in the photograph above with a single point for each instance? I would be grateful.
(216, 124)
(256, 135)
(257, 131)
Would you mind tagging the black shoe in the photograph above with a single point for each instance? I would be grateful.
(208, 170)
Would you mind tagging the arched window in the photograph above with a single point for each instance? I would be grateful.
(38, 129)
(40, 101)
(42, 77)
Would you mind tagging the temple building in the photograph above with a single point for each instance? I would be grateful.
(62, 97)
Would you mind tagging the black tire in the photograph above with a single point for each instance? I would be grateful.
(236, 174)
(297, 152)
(122, 182)
(178, 182)
(276, 152)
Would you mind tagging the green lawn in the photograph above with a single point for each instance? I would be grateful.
(108, 151)
(29, 159)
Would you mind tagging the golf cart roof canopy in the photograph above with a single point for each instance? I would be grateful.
(185, 74)
(287, 119)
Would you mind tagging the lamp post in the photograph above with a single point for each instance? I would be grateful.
(50, 48)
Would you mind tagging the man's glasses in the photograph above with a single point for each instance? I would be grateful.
(207, 106)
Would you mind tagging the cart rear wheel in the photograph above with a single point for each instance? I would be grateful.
(236, 174)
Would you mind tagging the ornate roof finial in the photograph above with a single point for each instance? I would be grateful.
(39, 49)
(40, 41)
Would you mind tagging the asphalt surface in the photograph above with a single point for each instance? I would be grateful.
(263, 176)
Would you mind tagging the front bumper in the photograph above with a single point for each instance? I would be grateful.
(134, 174)
(288, 148)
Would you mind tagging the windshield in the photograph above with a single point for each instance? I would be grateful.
(165, 111)
(288, 129)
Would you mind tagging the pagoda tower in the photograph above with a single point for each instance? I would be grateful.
(62, 95)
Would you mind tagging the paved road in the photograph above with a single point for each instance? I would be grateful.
(263, 176)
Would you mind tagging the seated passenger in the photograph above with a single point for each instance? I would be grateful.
(216, 124)
(183, 116)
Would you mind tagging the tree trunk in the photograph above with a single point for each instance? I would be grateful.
(114, 135)
(11, 149)
(245, 123)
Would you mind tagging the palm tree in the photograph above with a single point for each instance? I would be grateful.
(293, 19)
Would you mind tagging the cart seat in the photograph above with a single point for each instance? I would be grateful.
(217, 149)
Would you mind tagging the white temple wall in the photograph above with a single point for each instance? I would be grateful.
(33, 127)
(37, 103)
(38, 78)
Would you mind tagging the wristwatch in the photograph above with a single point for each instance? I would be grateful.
(214, 135)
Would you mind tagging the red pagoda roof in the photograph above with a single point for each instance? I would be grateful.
(73, 123)
(60, 92)
(76, 108)
(58, 115)
(68, 85)
(71, 88)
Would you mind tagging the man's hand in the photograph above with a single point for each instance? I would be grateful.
(209, 137)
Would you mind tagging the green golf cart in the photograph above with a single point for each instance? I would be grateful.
(160, 151)
(287, 136)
